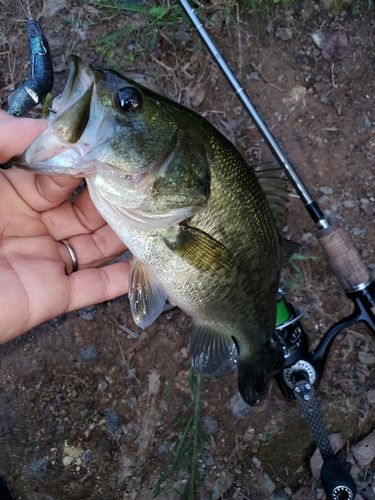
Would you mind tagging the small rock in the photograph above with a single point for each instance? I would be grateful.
(280, 495)
(67, 461)
(165, 447)
(323, 200)
(84, 412)
(284, 33)
(365, 205)
(89, 354)
(102, 386)
(364, 451)
(267, 486)
(221, 485)
(112, 421)
(207, 458)
(349, 203)
(238, 406)
(182, 35)
(52, 7)
(269, 28)
(370, 396)
(356, 231)
(307, 236)
(306, 10)
(326, 190)
(210, 424)
(254, 75)
(86, 315)
(367, 358)
(86, 456)
(198, 98)
(319, 39)
(36, 469)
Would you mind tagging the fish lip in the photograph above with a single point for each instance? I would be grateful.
(80, 79)
(72, 116)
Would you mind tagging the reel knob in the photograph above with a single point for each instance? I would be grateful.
(337, 483)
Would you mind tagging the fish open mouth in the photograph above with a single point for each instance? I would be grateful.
(74, 107)
(65, 146)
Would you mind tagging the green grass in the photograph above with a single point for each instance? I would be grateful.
(190, 443)
(147, 21)
(294, 279)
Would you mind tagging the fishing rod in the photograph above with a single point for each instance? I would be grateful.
(339, 250)
(303, 370)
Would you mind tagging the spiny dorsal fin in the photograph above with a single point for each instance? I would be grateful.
(275, 189)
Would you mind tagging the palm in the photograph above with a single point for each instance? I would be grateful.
(34, 285)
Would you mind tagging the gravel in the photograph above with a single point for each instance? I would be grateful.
(89, 354)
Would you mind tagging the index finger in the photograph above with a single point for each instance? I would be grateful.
(41, 192)
(17, 133)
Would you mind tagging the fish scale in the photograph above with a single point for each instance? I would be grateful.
(195, 216)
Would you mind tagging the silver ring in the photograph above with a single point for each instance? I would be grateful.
(72, 254)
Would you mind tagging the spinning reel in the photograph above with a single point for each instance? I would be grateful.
(301, 374)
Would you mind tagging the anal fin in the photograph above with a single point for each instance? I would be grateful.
(211, 353)
(146, 296)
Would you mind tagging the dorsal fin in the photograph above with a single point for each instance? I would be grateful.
(276, 190)
(275, 187)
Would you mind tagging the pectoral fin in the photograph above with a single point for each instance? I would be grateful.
(211, 353)
(146, 296)
(201, 250)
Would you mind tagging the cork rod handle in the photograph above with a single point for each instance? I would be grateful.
(343, 257)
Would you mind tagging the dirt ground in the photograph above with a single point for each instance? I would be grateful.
(88, 412)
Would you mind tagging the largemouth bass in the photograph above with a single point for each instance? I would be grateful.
(196, 218)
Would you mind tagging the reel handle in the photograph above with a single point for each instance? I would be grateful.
(337, 483)
(343, 258)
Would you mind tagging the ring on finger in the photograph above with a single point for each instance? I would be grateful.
(72, 254)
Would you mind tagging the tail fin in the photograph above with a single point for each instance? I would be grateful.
(254, 375)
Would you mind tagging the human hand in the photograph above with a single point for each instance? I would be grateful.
(35, 280)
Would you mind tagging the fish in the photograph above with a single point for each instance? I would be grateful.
(203, 226)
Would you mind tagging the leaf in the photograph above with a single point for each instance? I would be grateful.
(157, 11)
(335, 46)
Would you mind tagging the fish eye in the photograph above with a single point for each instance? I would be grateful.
(128, 100)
